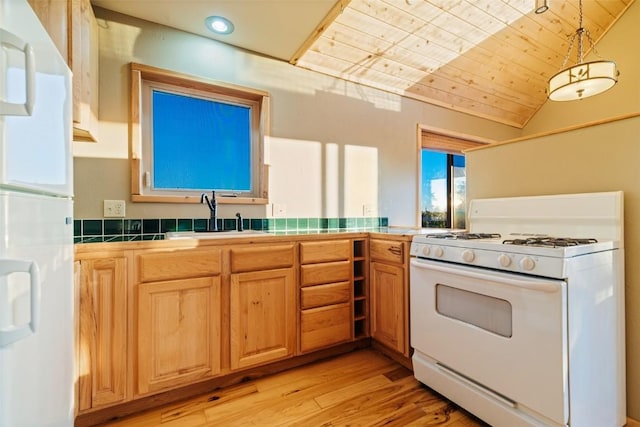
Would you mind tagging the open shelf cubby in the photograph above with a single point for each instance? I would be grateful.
(360, 289)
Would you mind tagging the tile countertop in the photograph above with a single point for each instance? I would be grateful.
(403, 233)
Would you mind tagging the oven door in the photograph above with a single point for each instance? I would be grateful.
(502, 334)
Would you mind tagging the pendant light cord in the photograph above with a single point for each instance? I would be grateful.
(579, 34)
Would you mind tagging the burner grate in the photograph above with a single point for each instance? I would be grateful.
(553, 242)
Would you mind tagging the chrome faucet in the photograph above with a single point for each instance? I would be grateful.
(213, 208)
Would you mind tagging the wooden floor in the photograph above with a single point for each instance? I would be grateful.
(363, 388)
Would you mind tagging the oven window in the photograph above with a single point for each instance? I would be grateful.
(486, 312)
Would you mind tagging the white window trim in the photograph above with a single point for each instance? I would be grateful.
(142, 78)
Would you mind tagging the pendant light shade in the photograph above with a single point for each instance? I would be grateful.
(583, 79)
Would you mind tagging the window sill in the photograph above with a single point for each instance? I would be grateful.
(193, 199)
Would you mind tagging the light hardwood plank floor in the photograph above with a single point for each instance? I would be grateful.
(362, 388)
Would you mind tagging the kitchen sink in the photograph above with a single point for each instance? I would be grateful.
(223, 234)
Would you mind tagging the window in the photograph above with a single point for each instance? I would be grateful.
(189, 136)
(443, 190)
(442, 178)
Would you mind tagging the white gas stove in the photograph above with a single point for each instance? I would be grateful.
(539, 255)
(520, 320)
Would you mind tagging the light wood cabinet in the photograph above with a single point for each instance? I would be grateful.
(73, 28)
(102, 322)
(321, 295)
(326, 294)
(389, 294)
(262, 304)
(178, 332)
(155, 320)
(387, 300)
(178, 318)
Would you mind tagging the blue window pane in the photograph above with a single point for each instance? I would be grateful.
(443, 190)
(434, 180)
(200, 144)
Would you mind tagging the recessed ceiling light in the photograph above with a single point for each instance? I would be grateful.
(219, 25)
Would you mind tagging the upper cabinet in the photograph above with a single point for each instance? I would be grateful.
(74, 30)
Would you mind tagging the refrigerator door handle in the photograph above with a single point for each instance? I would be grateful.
(17, 332)
(16, 109)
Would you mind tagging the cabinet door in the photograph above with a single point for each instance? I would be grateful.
(178, 332)
(73, 28)
(103, 329)
(387, 305)
(83, 61)
(263, 316)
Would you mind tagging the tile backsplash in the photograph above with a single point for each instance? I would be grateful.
(119, 230)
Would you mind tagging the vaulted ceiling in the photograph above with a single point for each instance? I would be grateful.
(487, 58)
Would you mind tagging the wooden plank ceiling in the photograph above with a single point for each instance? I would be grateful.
(487, 58)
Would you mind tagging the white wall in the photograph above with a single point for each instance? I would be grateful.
(334, 148)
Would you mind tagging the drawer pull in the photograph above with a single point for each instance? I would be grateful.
(395, 250)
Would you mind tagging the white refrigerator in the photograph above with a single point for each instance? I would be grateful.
(36, 225)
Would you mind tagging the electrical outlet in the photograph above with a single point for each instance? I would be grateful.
(279, 210)
(114, 208)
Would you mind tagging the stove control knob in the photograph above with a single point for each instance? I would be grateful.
(504, 260)
(468, 255)
(438, 252)
(527, 263)
(426, 250)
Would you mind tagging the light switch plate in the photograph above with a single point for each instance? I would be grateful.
(114, 208)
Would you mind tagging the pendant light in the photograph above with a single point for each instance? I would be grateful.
(583, 79)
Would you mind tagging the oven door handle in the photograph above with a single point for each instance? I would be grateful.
(531, 284)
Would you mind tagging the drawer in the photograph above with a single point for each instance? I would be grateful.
(266, 257)
(325, 326)
(325, 251)
(386, 250)
(317, 296)
(179, 264)
(328, 272)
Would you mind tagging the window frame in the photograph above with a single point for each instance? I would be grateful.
(449, 165)
(444, 141)
(143, 79)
